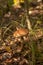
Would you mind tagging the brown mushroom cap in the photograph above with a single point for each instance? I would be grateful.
(20, 32)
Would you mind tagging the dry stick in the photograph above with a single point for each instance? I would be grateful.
(32, 12)
(27, 17)
(28, 23)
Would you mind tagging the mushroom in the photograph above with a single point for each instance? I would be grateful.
(23, 33)
(20, 32)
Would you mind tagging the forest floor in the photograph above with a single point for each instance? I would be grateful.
(19, 43)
